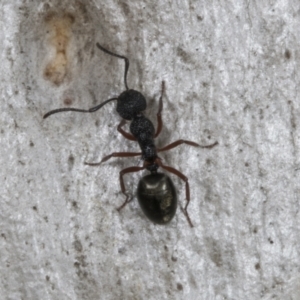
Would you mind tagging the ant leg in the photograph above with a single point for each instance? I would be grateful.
(179, 142)
(122, 173)
(124, 133)
(160, 107)
(119, 56)
(91, 110)
(114, 154)
(187, 190)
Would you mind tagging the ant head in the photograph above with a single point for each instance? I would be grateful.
(130, 103)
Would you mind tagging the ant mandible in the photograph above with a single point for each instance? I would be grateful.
(156, 192)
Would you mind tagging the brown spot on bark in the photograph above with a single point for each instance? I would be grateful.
(60, 32)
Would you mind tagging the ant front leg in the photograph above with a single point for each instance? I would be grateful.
(124, 133)
(179, 142)
(114, 154)
(160, 108)
(123, 189)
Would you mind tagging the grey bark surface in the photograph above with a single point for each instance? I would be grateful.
(231, 70)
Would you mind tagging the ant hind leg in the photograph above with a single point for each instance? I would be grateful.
(123, 189)
(187, 190)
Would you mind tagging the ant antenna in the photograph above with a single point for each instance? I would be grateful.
(119, 56)
(91, 110)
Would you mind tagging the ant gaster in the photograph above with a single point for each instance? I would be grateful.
(156, 192)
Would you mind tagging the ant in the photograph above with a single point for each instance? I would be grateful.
(156, 192)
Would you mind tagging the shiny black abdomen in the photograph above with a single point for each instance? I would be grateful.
(157, 197)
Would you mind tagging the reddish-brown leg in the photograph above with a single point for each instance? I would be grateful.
(160, 107)
(124, 133)
(123, 189)
(114, 154)
(187, 190)
(179, 142)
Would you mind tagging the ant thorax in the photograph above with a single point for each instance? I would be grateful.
(142, 128)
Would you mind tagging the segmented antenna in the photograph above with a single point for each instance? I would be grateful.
(91, 110)
(119, 56)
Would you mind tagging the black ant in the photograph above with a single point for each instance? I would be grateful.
(156, 192)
